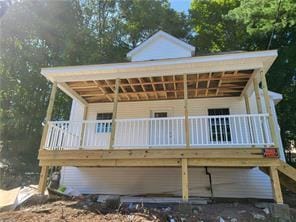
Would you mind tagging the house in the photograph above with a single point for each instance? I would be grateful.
(168, 123)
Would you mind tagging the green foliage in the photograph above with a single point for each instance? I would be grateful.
(42, 33)
(141, 18)
(276, 18)
(216, 33)
(248, 25)
(261, 18)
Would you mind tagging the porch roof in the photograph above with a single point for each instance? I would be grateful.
(208, 76)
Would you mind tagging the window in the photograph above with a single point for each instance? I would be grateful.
(160, 114)
(104, 127)
(219, 127)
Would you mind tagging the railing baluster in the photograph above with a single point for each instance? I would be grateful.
(246, 135)
(216, 131)
(241, 130)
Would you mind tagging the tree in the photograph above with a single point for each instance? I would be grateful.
(46, 33)
(214, 31)
(142, 18)
(34, 35)
(248, 25)
(275, 22)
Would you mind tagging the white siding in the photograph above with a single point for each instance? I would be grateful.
(250, 183)
(226, 182)
(174, 107)
(161, 49)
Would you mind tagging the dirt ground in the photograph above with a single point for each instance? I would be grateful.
(89, 210)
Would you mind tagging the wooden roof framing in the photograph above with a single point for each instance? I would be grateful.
(213, 84)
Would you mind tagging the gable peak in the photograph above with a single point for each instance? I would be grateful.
(161, 45)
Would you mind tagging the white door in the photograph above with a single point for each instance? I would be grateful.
(160, 129)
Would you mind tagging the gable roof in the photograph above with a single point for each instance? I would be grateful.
(158, 35)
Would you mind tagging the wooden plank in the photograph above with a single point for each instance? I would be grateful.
(103, 90)
(269, 110)
(114, 114)
(237, 153)
(44, 169)
(257, 95)
(186, 121)
(43, 178)
(164, 87)
(233, 162)
(208, 84)
(164, 162)
(247, 103)
(276, 187)
(235, 89)
(80, 85)
(288, 170)
(48, 114)
(114, 163)
(72, 93)
(185, 190)
(219, 84)
(133, 88)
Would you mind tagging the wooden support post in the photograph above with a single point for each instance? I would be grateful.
(43, 179)
(186, 121)
(48, 114)
(257, 95)
(185, 190)
(83, 127)
(269, 110)
(247, 102)
(248, 110)
(114, 115)
(276, 187)
(44, 169)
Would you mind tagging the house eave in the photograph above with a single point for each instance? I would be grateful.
(258, 59)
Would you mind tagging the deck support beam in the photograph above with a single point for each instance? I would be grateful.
(114, 114)
(44, 169)
(269, 110)
(185, 189)
(186, 121)
(276, 187)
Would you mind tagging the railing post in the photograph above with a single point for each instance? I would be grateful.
(186, 121)
(269, 110)
(114, 115)
(44, 169)
(82, 127)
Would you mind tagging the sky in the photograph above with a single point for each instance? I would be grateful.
(180, 5)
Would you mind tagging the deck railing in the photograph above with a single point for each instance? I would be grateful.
(205, 131)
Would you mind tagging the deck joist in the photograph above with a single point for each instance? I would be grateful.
(232, 157)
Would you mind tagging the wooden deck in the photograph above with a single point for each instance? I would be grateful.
(182, 157)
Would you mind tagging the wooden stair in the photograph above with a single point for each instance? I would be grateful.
(287, 175)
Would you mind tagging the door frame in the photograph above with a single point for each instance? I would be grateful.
(169, 112)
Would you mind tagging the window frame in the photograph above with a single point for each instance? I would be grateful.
(103, 127)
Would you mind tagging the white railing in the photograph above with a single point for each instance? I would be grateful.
(205, 131)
